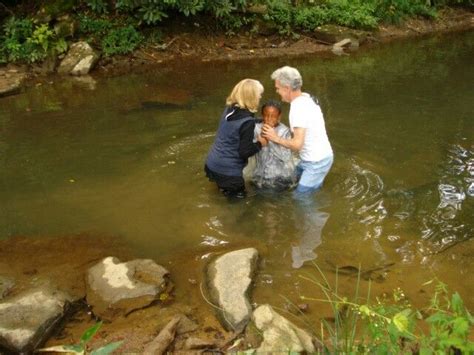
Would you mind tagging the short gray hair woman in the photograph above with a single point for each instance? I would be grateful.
(288, 76)
(309, 137)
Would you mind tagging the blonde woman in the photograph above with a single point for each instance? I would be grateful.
(234, 143)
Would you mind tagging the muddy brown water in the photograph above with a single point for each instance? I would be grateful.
(123, 157)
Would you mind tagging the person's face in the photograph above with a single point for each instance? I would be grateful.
(283, 91)
(271, 116)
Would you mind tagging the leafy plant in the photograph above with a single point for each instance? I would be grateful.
(121, 41)
(280, 13)
(81, 347)
(23, 40)
(94, 26)
(395, 11)
(450, 324)
(390, 325)
(98, 6)
(356, 14)
(308, 18)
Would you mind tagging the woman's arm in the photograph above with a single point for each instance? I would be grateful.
(247, 147)
(295, 143)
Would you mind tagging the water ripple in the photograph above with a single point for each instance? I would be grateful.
(363, 188)
(446, 225)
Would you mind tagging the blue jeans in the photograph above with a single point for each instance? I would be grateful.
(311, 174)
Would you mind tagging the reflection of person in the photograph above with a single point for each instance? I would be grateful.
(308, 128)
(274, 166)
(234, 143)
(313, 220)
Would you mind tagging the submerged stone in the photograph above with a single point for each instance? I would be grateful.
(115, 288)
(229, 278)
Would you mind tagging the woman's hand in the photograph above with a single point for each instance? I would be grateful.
(268, 132)
(262, 140)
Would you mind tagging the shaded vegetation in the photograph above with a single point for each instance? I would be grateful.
(31, 30)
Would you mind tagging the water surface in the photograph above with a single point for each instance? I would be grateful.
(106, 158)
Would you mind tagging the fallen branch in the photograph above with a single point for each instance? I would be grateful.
(164, 339)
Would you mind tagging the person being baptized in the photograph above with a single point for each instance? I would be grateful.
(274, 164)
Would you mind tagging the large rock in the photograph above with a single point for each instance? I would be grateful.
(27, 320)
(79, 60)
(115, 288)
(279, 334)
(229, 278)
(10, 82)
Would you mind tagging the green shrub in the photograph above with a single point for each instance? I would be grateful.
(308, 18)
(94, 26)
(111, 36)
(280, 13)
(23, 40)
(395, 11)
(355, 14)
(122, 40)
(98, 6)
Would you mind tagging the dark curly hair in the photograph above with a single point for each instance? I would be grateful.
(272, 103)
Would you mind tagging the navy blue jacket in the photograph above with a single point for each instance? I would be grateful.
(234, 142)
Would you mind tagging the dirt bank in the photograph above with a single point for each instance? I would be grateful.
(186, 42)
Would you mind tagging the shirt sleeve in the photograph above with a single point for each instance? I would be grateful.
(247, 147)
(299, 115)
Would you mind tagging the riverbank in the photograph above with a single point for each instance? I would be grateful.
(189, 42)
(193, 44)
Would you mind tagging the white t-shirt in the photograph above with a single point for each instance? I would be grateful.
(305, 113)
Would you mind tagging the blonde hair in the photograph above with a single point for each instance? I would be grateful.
(246, 94)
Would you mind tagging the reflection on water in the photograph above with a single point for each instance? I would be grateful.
(313, 218)
(400, 192)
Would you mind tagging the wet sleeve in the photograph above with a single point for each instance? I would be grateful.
(247, 147)
(282, 153)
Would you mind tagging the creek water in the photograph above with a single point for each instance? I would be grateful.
(123, 156)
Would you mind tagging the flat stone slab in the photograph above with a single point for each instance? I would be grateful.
(115, 288)
(280, 336)
(27, 320)
(334, 33)
(229, 278)
(10, 82)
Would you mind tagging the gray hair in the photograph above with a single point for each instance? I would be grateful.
(288, 76)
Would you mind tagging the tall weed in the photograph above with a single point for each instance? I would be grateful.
(390, 325)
